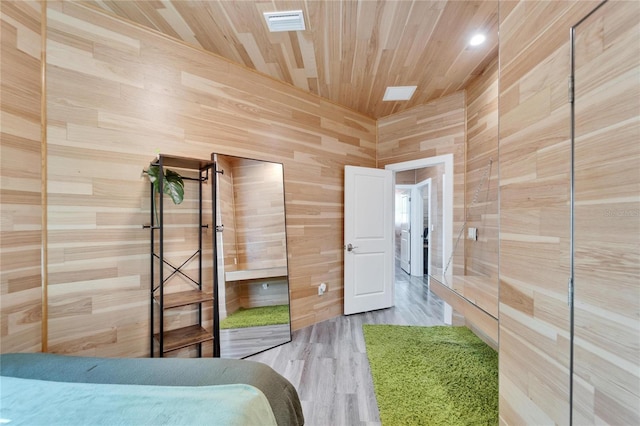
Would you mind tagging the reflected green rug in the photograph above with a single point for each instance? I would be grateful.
(432, 375)
(255, 317)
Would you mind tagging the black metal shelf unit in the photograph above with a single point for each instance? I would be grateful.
(195, 334)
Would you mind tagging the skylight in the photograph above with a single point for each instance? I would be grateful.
(399, 93)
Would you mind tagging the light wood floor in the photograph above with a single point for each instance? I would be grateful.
(327, 362)
(242, 342)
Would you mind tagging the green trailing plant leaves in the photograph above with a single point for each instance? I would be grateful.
(172, 183)
(173, 186)
(153, 172)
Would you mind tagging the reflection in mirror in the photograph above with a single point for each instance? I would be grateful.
(425, 252)
(460, 254)
(253, 286)
(475, 257)
(461, 244)
(424, 183)
(443, 249)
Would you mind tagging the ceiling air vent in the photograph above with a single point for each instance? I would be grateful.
(285, 21)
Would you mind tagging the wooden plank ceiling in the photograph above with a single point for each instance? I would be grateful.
(351, 50)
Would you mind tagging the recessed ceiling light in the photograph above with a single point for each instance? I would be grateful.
(292, 20)
(399, 93)
(477, 40)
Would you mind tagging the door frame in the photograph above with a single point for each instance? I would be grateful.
(447, 198)
(418, 244)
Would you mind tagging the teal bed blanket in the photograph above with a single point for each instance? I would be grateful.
(158, 372)
(40, 402)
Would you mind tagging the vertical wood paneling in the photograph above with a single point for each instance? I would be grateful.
(606, 373)
(117, 94)
(20, 176)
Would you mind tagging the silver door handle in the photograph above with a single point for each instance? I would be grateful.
(349, 247)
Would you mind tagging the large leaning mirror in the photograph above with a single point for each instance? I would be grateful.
(450, 235)
(251, 246)
(457, 239)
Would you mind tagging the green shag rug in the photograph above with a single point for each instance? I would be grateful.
(255, 317)
(432, 375)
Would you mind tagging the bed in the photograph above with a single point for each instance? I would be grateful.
(56, 389)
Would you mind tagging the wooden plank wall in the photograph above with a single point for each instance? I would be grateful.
(534, 209)
(479, 281)
(435, 236)
(441, 128)
(20, 176)
(258, 190)
(606, 374)
(436, 128)
(253, 295)
(117, 94)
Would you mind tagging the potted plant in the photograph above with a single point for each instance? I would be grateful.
(172, 185)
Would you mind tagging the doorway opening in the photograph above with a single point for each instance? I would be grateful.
(435, 175)
(413, 222)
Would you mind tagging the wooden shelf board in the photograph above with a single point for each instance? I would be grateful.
(183, 337)
(183, 298)
(254, 274)
(183, 162)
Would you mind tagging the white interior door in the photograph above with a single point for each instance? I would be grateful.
(368, 239)
(405, 232)
(426, 196)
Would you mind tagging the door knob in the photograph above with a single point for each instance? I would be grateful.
(349, 247)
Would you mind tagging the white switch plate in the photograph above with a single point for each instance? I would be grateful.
(321, 289)
(472, 234)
